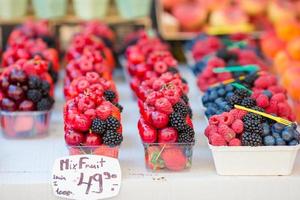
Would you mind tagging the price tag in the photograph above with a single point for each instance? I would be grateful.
(86, 177)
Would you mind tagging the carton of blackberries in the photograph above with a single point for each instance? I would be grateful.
(25, 100)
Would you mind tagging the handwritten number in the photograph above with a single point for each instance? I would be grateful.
(95, 178)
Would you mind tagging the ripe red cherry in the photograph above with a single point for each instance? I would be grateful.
(26, 105)
(74, 138)
(15, 92)
(167, 135)
(4, 83)
(8, 105)
(148, 134)
(81, 122)
(159, 120)
(93, 139)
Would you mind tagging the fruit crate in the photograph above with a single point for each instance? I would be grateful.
(169, 156)
(25, 124)
(102, 150)
(246, 160)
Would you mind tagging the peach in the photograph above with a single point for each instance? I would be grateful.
(281, 10)
(287, 30)
(191, 16)
(231, 15)
(290, 81)
(253, 7)
(293, 48)
(271, 44)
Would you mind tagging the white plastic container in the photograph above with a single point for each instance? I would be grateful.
(263, 160)
(91, 9)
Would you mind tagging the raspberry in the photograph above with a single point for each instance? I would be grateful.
(222, 129)
(283, 109)
(217, 140)
(211, 129)
(238, 126)
(272, 108)
(261, 82)
(279, 97)
(163, 105)
(262, 101)
(235, 142)
(214, 120)
(226, 118)
(238, 114)
(160, 67)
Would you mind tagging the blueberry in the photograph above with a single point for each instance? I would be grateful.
(276, 135)
(293, 142)
(269, 140)
(277, 127)
(228, 88)
(296, 135)
(221, 92)
(213, 95)
(266, 128)
(287, 135)
(229, 94)
(219, 100)
(205, 98)
(280, 142)
(223, 104)
(268, 93)
(227, 108)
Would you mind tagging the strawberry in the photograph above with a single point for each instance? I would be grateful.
(167, 135)
(174, 158)
(152, 158)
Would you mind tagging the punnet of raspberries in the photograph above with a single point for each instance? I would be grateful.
(23, 88)
(165, 124)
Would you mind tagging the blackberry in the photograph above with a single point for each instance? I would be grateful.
(34, 95)
(248, 102)
(119, 106)
(98, 126)
(187, 135)
(250, 79)
(185, 98)
(258, 108)
(34, 82)
(254, 126)
(109, 95)
(45, 87)
(252, 117)
(173, 70)
(45, 104)
(112, 123)
(181, 108)
(234, 99)
(242, 93)
(112, 138)
(251, 139)
(177, 121)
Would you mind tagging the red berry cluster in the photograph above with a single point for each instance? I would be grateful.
(92, 113)
(277, 102)
(164, 108)
(206, 46)
(31, 39)
(226, 129)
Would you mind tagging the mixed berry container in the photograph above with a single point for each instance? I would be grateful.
(169, 156)
(102, 150)
(25, 124)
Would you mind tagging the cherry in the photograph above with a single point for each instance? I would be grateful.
(159, 120)
(82, 85)
(17, 76)
(74, 138)
(93, 139)
(26, 105)
(15, 92)
(8, 104)
(148, 134)
(81, 122)
(92, 77)
(167, 135)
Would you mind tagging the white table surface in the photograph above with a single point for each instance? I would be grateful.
(25, 165)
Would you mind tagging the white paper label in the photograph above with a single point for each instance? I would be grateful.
(86, 177)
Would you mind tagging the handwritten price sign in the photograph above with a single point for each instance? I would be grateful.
(86, 177)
